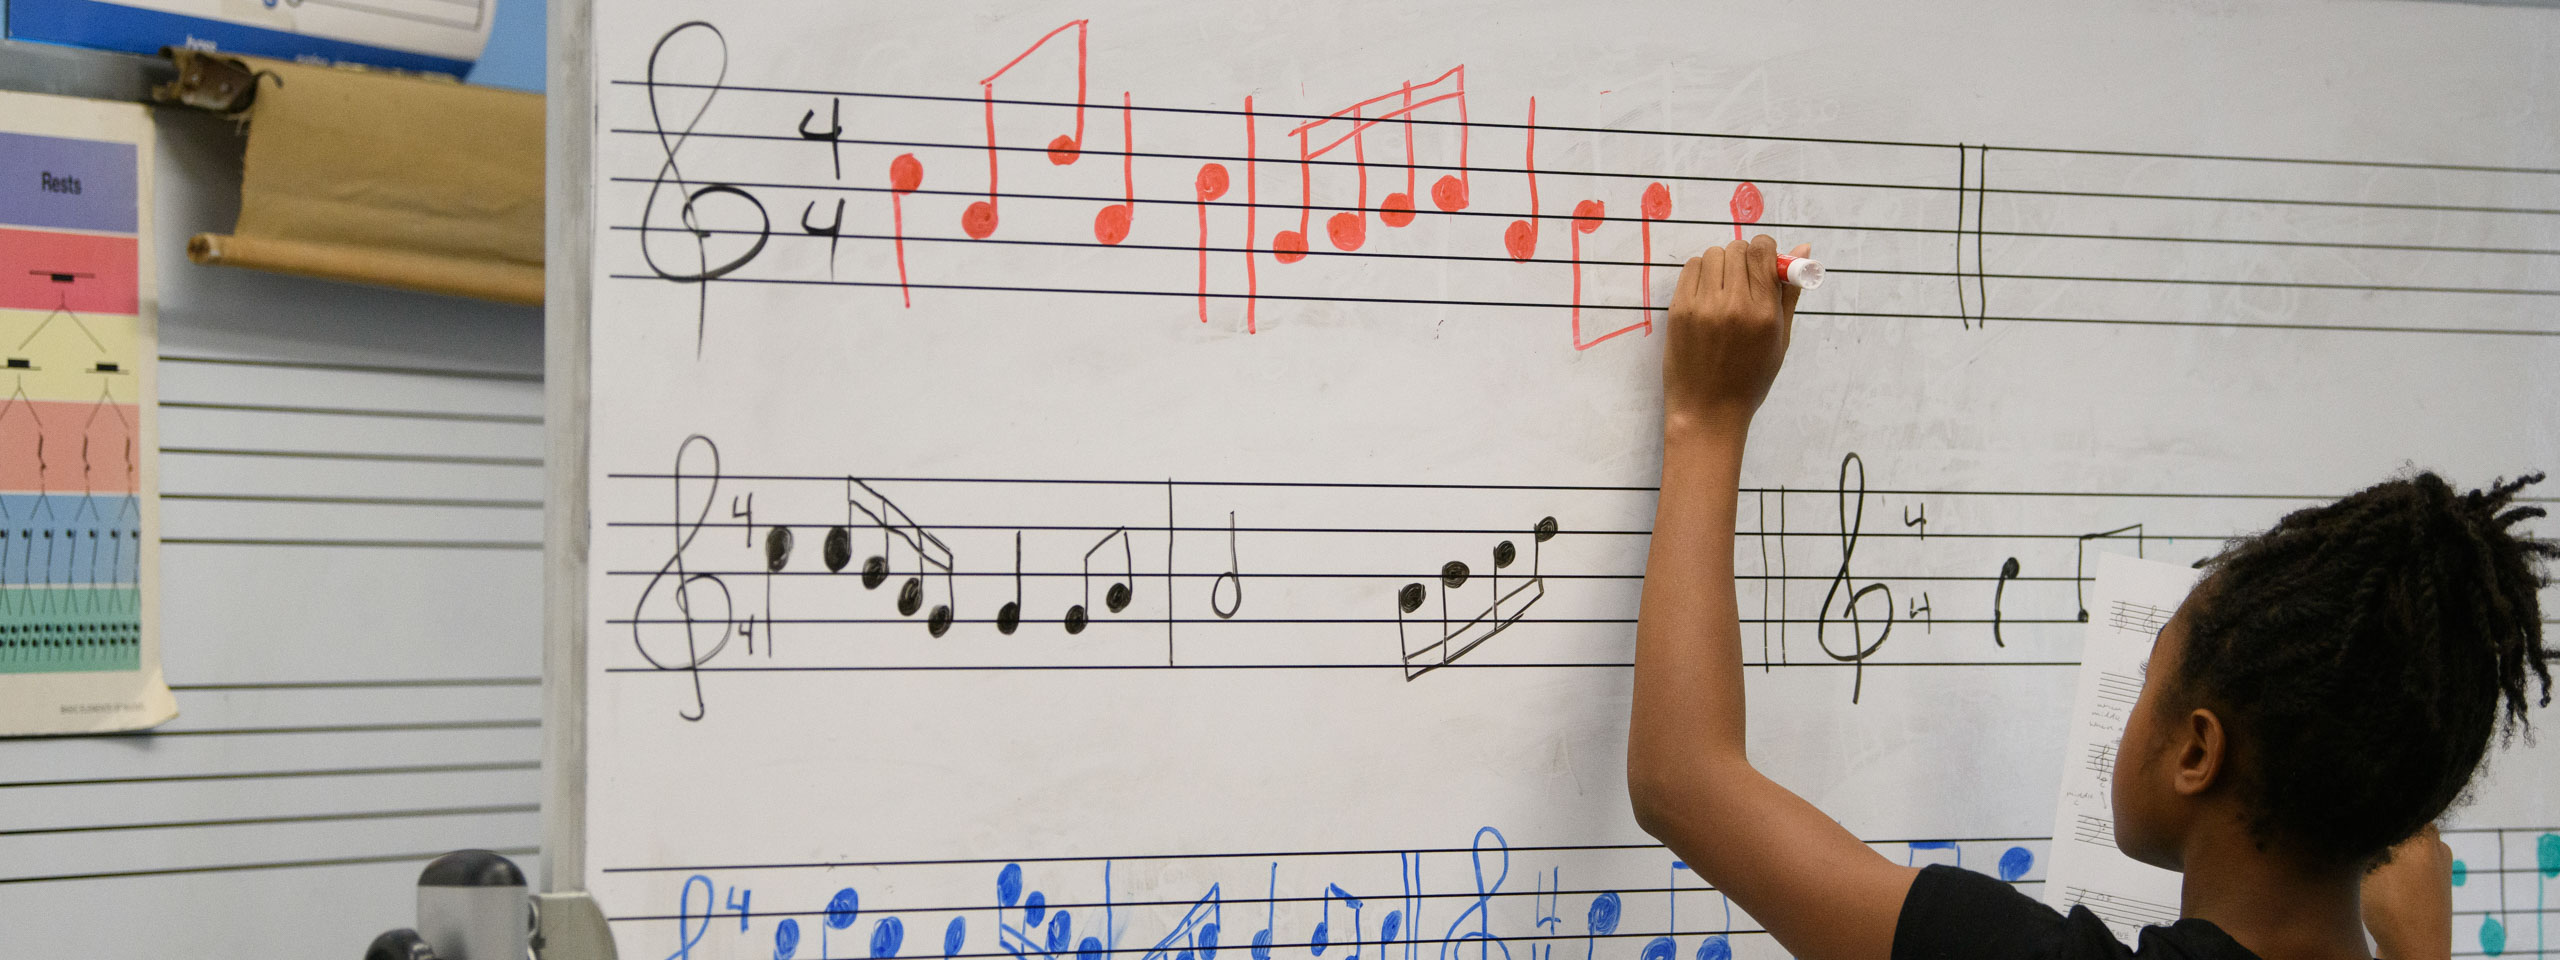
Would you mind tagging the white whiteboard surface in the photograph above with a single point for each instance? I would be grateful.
(2100, 320)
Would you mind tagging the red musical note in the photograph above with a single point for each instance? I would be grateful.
(1397, 209)
(905, 175)
(1209, 185)
(1656, 206)
(1587, 217)
(1349, 229)
(979, 221)
(1111, 225)
(1746, 207)
(1522, 238)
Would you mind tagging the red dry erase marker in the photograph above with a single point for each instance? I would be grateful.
(1802, 273)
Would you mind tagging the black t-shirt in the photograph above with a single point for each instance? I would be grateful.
(1955, 914)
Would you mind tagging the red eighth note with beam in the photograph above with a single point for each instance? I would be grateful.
(1588, 216)
(979, 221)
(1350, 228)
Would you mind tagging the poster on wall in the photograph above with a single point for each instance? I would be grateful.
(79, 485)
(436, 36)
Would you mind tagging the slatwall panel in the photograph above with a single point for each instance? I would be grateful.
(351, 487)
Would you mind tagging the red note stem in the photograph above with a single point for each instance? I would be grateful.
(1290, 246)
(1656, 206)
(1397, 209)
(1350, 228)
(1209, 185)
(1111, 225)
(1522, 238)
(979, 221)
(1587, 217)
(905, 175)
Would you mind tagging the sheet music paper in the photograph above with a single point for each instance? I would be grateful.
(2131, 600)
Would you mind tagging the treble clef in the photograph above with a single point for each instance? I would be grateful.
(685, 588)
(1851, 518)
(696, 197)
(1481, 909)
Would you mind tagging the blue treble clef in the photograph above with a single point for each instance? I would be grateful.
(1482, 908)
(685, 585)
(695, 196)
(1851, 518)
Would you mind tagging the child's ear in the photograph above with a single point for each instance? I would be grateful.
(2202, 750)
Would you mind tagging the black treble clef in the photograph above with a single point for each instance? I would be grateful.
(694, 195)
(1851, 517)
(686, 587)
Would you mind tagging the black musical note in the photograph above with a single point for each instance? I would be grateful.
(777, 554)
(685, 585)
(834, 130)
(1851, 518)
(1116, 597)
(2080, 563)
(1457, 639)
(931, 554)
(695, 197)
(838, 549)
(2008, 572)
(1234, 577)
(1009, 616)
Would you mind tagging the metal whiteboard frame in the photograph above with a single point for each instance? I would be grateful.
(568, 251)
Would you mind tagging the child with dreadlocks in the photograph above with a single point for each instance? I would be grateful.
(2322, 696)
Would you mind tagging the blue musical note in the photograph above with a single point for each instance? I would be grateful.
(886, 936)
(1195, 936)
(1324, 927)
(1911, 856)
(1600, 921)
(786, 939)
(2015, 862)
(1270, 910)
(841, 911)
(1482, 908)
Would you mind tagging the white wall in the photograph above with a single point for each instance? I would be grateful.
(351, 585)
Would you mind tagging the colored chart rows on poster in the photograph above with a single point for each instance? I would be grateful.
(71, 477)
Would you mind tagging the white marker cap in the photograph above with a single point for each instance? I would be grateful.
(1800, 272)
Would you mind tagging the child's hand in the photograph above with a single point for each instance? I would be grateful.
(2408, 902)
(1730, 321)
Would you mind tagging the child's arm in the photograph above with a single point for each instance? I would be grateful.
(1823, 893)
(2408, 902)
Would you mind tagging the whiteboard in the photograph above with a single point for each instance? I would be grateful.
(1031, 449)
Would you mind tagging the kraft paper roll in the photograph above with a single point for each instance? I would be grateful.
(384, 178)
(407, 270)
